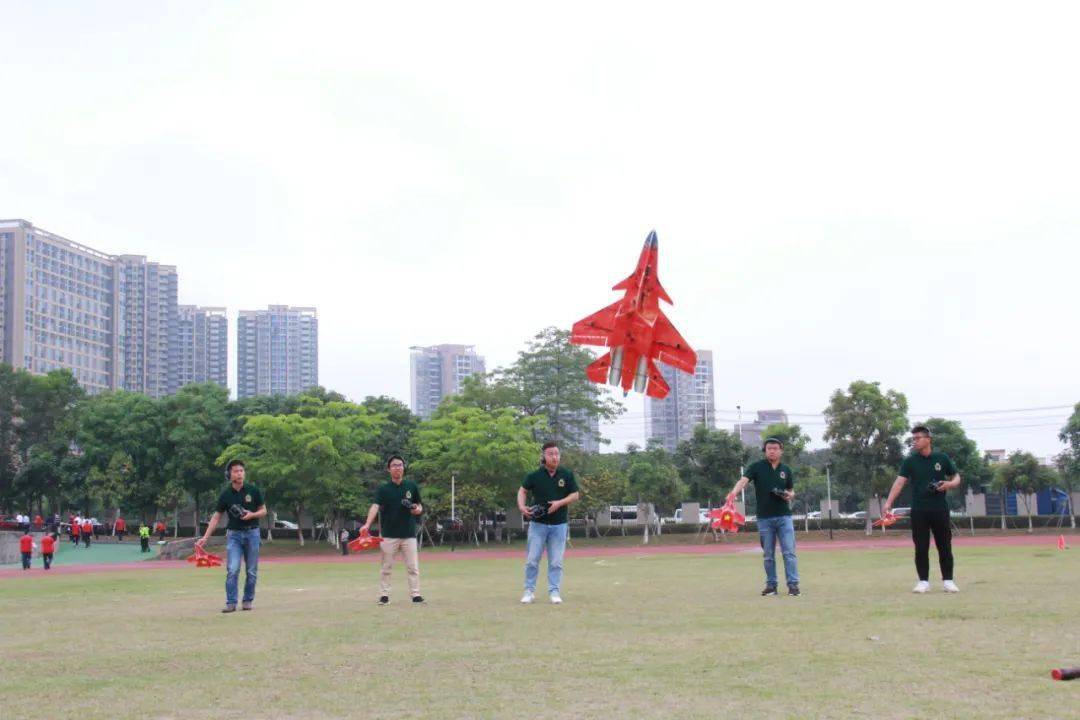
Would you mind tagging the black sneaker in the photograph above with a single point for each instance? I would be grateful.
(418, 599)
(793, 591)
(228, 609)
(769, 591)
(384, 600)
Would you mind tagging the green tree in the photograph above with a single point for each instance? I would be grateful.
(599, 491)
(133, 424)
(197, 426)
(546, 381)
(1069, 460)
(652, 477)
(710, 462)
(1022, 473)
(864, 427)
(306, 463)
(486, 452)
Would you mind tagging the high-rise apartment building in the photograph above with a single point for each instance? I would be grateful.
(277, 351)
(203, 345)
(750, 433)
(439, 370)
(689, 403)
(62, 306)
(150, 307)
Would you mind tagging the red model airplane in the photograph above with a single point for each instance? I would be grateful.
(637, 332)
(726, 518)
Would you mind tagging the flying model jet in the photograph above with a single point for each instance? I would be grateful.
(637, 332)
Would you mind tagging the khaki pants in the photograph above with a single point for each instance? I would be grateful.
(407, 546)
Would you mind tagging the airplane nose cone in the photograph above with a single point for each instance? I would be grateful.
(651, 242)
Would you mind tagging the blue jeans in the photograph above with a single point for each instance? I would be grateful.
(552, 537)
(241, 544)
(769, 529)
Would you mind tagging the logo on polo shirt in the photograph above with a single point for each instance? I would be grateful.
(562, 483)
(408, 494)
(783, 475)
(937, 466)
(247, 498)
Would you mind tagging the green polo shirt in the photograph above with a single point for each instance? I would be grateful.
(546, 487)
(920, 471)
(765, 478)
(395, 520)
(248, 496)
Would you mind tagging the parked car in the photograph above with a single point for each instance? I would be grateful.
(285, 525)
(859, 515)
(703, 515)
(901, 512)
(7, 522)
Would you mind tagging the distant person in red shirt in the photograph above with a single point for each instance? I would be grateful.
(121, 528)
(26, 547)
(48, 547)
(159, 528)
(87, 532)
(39, 522)
(75, 532)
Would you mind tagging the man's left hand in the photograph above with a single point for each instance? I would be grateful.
(789, 495)
(417, 510)
(248, 515)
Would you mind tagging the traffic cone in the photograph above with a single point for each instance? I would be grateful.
(1061, 543)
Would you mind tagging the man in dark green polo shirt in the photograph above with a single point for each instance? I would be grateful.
(932, 474)
(243, 503)
(397, 505)
(552, 488)
(774, 489)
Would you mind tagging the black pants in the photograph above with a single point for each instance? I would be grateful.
(120, 535)
(26, 560)
(86, 539)
(161, 535)
(47, 559)
(144, 543)
(923, 523)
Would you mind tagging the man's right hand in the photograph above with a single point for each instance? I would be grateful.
(731, 496)
(886, 509)
(525, 511)
(365, 528)
(200, 542)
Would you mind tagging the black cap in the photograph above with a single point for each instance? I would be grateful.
(768, 440)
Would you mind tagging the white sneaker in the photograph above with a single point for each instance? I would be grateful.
(555, 599)
(921, 587)
(950, 586)
(527, 597)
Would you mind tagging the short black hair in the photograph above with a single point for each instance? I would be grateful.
(549, 444)
(922, 429)
(392, 458)
(771, 440)
(232, 463)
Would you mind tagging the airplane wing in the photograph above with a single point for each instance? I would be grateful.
(595, 329)
(669, 346)
(657, 387)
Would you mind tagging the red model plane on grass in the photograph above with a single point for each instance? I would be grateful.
(637, 332)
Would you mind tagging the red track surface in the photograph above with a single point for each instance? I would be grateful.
(891, 543)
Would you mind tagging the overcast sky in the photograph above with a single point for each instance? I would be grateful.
(841, 191)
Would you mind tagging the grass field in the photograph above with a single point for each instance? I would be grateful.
(639, 635)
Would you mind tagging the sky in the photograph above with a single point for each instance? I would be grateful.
(842, 191)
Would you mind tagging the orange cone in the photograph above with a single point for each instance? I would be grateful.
(1061, 543)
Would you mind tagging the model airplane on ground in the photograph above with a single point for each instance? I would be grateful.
(637, 332)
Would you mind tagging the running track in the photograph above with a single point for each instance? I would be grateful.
(1046, 541)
